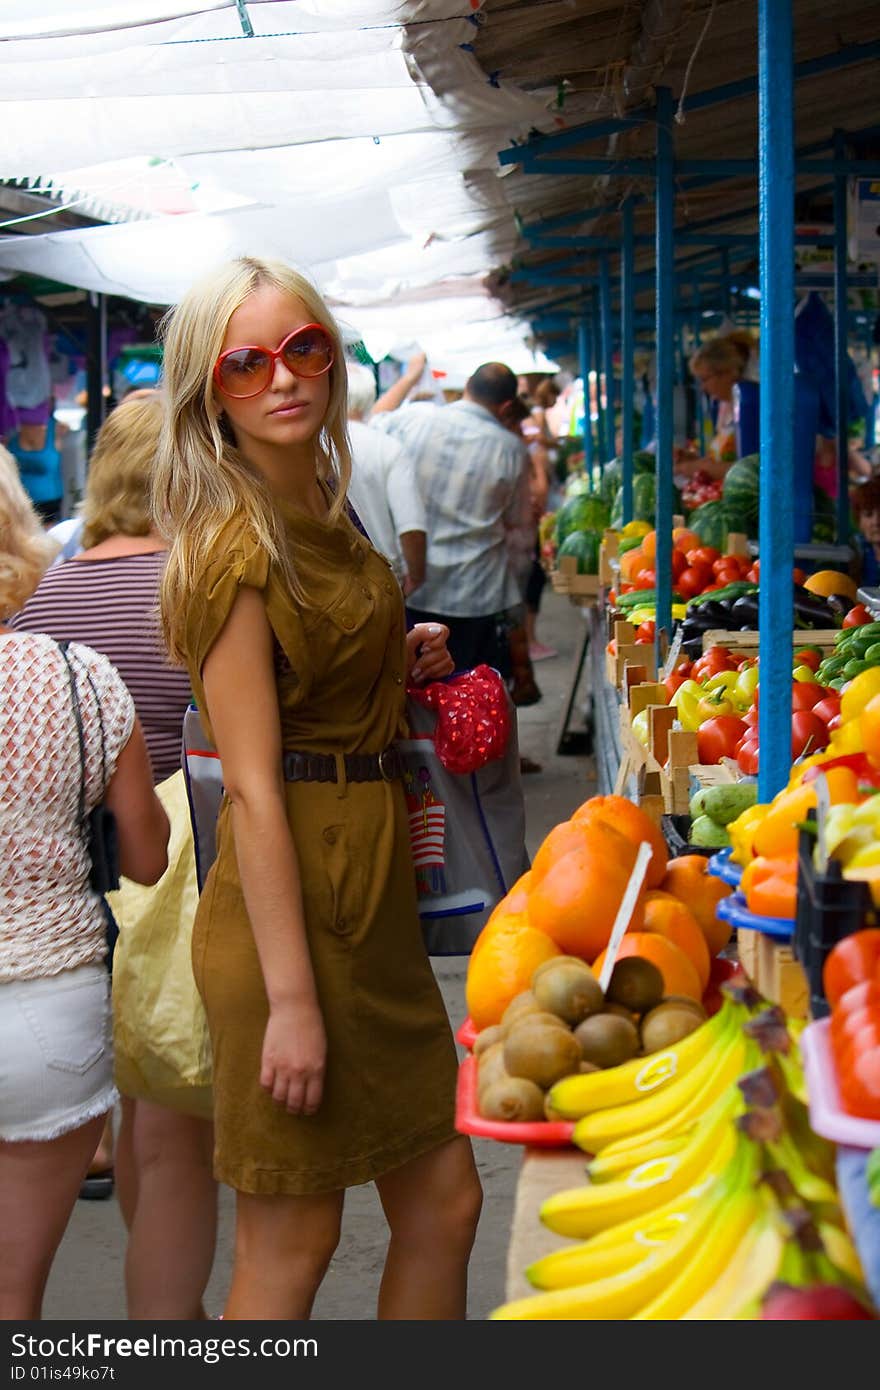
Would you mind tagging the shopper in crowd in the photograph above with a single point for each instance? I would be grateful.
(108, 597)
(70, 736)
(866, 510)
(35, 449)
(383, 488)
(404, 388)
(334, 1063)
(535, 434)
(473, 473)
(717, 366)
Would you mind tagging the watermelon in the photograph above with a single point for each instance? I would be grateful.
(584, 545)
(644, 497)
(741, 494)
(710, 524)
(577, 485)
(585, 512)
(611, 480)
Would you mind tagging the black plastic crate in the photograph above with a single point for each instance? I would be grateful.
(829, 907)
(675, 832)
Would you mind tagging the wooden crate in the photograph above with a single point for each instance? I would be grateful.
(584, 588)
(748, 642)
(773, 970)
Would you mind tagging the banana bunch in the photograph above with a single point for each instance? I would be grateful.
(703, 1192)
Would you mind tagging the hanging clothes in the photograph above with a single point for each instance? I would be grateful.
(40, 469)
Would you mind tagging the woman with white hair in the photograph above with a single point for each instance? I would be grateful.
(71, 740)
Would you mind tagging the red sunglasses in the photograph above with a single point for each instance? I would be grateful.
(247, 371)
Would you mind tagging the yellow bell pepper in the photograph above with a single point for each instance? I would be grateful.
(742, 833)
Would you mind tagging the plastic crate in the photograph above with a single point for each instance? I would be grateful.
(675, 832)
(829, 907)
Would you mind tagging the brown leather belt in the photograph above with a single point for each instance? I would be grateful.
(359, 767)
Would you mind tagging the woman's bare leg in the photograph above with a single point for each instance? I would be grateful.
(39, 1183)
(283, 1246)
(433, 1206)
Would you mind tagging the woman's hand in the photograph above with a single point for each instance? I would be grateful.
(427, 658)
(294, 1056)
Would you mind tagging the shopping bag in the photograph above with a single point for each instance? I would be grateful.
(467, 834)
(160, 1032)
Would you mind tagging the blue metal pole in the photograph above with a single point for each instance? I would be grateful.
(841, 327)
(627, 350)
(607, 354)
(776, 230)
(665, 332)
(584, 356)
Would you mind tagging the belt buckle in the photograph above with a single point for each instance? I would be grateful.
(387, 773)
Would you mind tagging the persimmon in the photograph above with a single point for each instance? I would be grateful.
(564, 837)
(502, 969)
(632, 822)
(678, 970)
(687, 879)
(577, 900)
(669, 917)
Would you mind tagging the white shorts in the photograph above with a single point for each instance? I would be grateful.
(56, 1053)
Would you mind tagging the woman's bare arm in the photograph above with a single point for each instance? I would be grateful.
(243, 710)
(141, 823)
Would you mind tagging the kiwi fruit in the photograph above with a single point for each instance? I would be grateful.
(490, 1066)
(667, 1025)
(512, 1098)
(558, 960)
(486, 1038)
(541, 1054)
(522, 1004)
(586, 1067)
(606, 1040)
(622, 1011)
(540, 1019)
(635, 983)
(569, 990)
(686, 1002)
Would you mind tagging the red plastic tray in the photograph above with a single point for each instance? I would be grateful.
(545, 1134)
(827, 1115)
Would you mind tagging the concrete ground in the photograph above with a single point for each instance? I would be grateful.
(87, 1277)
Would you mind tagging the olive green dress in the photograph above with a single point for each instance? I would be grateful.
(391, 1063)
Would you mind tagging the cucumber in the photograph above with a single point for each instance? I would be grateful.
(724, 803)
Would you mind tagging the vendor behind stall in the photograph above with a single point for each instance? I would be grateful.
(717, 367)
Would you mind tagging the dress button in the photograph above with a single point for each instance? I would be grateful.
(330, 835)
(389, 588)
(365, 591)
(348, 622)
(398, 680)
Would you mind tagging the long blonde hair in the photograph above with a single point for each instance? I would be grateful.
(25, 547)
(120, 477)
(202, 483)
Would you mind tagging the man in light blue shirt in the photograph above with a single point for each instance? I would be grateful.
(472, 473)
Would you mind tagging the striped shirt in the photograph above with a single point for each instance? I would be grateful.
(473, 476)
(113, 606)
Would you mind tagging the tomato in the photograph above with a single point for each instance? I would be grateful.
(679, 564)
(860, 1084)
(753, 573)
(693, 580)
(646, 579)
(828, 707)
(703, 555)
(645, 632)
(850, 961)
(809, 734)
(750, 718)
(857, 615)
(673, 681)
(728, 574)
(712, 663)
(808, 656)
(685, 540)
(718, 737)
(798, 576)
(747, 754)
(865, 993)
(806, 694)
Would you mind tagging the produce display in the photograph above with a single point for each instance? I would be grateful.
(709, 1194)
(851, 977)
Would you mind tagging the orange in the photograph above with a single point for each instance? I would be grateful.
(560, 840)
(632, 562)
(678, 971)
(828, 582)
(577, 900)
(683, 539)
(669, 917)
(502, 969)
(629, 820)
(649, 546)
(687, 880)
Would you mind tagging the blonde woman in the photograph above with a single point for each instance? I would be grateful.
(108, 597)
(56, 1078)
(333, 1059)
(717, 366)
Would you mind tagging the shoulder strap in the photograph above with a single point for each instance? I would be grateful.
(77, 716)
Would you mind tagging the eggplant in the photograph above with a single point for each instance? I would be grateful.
(712, 614)
(745, 613)
(811, 610)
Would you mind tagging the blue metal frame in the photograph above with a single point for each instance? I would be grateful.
(665, 328)
(627, 350)
(841, 325)
(776, 201)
